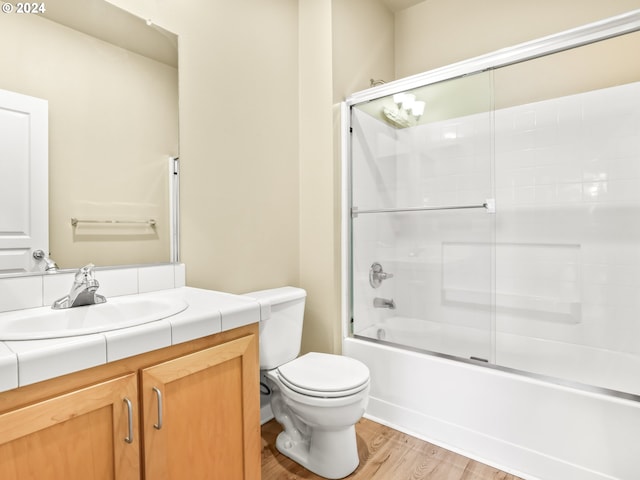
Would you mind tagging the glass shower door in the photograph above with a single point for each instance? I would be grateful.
(567, 163)
(422, 229)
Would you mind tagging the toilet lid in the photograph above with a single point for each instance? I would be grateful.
(324, 375)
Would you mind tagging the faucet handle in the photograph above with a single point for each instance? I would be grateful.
(87, 268)
(377, 275)
(85, 272)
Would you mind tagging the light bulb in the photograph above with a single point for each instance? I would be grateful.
(417, 108)
(398, 98)
(408, 101)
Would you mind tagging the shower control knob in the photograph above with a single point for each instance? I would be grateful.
(377, 275)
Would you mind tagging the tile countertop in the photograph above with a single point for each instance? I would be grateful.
(30, 361)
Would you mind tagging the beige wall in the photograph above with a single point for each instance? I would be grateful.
(317, 202)
(239, 144)
(590, 67)
(440, 32)
(112, 126)
(238, 84)
(363, 45)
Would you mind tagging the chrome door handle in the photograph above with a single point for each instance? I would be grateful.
(158, 425)
(129, 437)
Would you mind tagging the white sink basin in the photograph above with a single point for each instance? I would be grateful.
(116, 313)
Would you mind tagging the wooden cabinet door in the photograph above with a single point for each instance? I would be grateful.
(201, 414)
(87, 434)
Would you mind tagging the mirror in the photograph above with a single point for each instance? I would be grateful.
(111, 82)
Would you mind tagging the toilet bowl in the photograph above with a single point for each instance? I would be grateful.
(317, 397)
(318, 418)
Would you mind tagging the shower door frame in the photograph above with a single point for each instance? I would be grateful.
(577, 37)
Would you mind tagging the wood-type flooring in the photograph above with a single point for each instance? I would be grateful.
(385, 454)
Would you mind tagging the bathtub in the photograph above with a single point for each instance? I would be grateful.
(534, 426)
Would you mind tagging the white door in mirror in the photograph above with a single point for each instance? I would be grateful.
(24, 206)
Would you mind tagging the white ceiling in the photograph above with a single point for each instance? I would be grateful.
(395, 5)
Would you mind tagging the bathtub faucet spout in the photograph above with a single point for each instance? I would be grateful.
(384, 303)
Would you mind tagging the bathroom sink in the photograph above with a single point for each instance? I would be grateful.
(116, 313)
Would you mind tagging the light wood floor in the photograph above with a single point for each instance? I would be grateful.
(385, 454)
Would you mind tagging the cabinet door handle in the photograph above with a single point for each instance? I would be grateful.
(158, 425)
(129, 437)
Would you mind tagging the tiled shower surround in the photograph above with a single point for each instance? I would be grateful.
(549, 283)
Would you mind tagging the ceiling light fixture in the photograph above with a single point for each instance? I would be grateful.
(407, 112)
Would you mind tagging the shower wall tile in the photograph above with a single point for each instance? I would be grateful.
(568, 171)
(447, 163)
(575, 139)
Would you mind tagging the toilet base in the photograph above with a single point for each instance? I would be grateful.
(331, 454)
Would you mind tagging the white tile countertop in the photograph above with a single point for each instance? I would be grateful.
(28, 361)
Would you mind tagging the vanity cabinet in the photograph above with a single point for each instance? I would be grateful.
(77, 435)
(186, 411)
(198, 418)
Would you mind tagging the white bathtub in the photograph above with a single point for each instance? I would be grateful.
(525, 425)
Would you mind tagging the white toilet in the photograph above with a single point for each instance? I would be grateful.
(318, 397)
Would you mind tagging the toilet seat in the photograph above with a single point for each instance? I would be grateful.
(324, 375)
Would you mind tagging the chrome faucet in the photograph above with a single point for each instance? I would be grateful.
(50, 265)
(83, 290)
(384, 303)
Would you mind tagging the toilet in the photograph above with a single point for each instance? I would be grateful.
(317, 397)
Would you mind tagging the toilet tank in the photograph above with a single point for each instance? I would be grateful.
(281, 316)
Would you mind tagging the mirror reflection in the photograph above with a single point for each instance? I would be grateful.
(111, 83)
